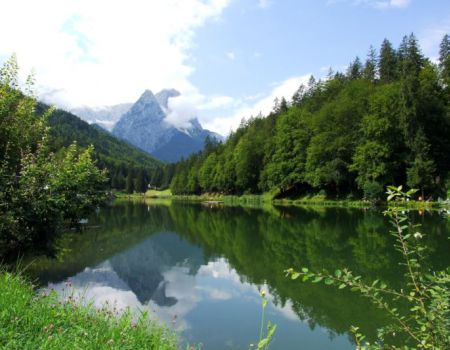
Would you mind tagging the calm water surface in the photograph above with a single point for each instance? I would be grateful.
(200, 268)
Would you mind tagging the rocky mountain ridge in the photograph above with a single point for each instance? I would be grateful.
(145, 126)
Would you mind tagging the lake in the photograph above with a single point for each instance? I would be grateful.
(200, 268)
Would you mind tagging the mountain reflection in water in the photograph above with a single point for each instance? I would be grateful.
(200, 269)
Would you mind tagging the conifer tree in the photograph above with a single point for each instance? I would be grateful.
(354, 70)
(444, 60)
(370, 68)
(421, 170)
(140, 182)
(411, 63)
(298, 96)
(130, 182)
(283, 106)
(387, 64)
(311, 82)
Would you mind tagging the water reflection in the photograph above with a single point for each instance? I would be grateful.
(201, 269)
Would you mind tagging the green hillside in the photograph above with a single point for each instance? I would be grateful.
(128, 167)
(384, 121)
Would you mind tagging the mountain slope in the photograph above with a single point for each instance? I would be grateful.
(66, 128)
(121, 159)
(145, 126)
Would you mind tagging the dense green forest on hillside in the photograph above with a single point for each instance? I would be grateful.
(384, 121)
(128, 167)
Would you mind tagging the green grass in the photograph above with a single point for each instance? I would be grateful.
(35, 321)
(158, 194)
(149, 194)
(268, 198)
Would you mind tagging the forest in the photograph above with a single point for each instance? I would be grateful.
(128, 168)
(386, 120)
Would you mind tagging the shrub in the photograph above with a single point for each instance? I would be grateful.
(40, 191)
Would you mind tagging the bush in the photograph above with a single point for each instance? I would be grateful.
(40, 191)
(373, 190)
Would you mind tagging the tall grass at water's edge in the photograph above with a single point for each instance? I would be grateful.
(30, 320)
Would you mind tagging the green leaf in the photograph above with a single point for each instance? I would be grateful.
(295, 275)
(271, 330)
(317, 279)
(329, 281)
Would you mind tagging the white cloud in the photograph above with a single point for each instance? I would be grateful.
(184, 108)
(231, 55)
(104, 52)
(385, 4)
(213, 285)
(181, 111)
(264, 3)
(431, 38)
(378, 4)
(215, 102)
(262, 104)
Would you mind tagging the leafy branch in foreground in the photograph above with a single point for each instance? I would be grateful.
(425, 323)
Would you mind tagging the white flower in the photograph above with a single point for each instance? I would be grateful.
(417, 235)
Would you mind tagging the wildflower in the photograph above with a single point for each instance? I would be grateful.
(417, 235)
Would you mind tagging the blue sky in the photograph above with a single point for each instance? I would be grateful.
(229, 58)
(295, 37)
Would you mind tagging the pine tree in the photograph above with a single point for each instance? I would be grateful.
(412, 63)
(354, 70)
(414, 58)
(283, 106)
(276, 105)
(330, 73)
(401, 56)
(140, 182)
(298, 96)
(130, 182)
(311, 82)
(420, 173)
(387, 64)
(444, 60)
(370, 68)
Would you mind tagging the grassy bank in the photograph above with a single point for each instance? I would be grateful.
(268, 198)
(31, 321)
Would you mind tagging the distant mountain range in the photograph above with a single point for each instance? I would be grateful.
(144, 125)
(106, 116)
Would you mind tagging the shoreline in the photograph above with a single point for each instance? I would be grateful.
(267, 198)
